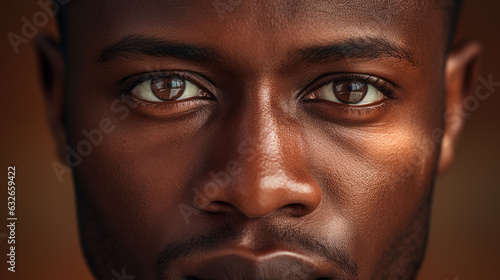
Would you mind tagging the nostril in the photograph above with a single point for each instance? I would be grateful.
(295, 209)
(222, 207)
(218, 207)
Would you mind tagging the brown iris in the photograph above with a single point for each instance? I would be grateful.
(350, 92)
(168, 88)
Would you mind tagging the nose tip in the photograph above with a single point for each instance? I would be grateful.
(267, 195)
(263, 207)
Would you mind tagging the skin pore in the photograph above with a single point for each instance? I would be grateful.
(261, 168)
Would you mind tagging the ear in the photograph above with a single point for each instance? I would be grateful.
(52, 74)
(462, 70)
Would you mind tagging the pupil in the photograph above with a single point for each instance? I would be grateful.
(168, 88)
(350, 92)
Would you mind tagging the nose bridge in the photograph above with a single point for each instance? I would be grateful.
(266, 181)
(272, 173)
(260, 124)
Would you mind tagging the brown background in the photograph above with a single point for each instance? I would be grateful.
(465, 230)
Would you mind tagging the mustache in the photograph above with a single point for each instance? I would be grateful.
(278, 235)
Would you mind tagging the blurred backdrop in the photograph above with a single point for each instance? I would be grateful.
(465, 230)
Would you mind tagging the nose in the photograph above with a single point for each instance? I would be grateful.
(262, 180)
(262, 168)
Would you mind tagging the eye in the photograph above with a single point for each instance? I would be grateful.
(351, 92)
(164, 89)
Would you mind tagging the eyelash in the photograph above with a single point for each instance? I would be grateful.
(387, 88)
(127, 84)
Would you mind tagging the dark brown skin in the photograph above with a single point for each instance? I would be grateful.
(316, 189)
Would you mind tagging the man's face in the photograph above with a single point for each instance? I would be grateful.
(255, 139)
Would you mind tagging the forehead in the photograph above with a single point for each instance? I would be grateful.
(248, 27)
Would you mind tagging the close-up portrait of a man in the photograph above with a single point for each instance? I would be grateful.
(252, 139)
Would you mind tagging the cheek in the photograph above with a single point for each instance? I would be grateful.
(136, 173)
(376, 178)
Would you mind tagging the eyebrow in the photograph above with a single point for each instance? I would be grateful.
(135, 46)
(362, 48)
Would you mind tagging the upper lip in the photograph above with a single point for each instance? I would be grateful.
(240, 263)
(255, 251)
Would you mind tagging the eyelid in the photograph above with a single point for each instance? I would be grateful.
(387, 88)
(127, 84)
